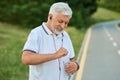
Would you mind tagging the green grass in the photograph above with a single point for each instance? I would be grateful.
(12, 39)
(105, 15)
(76, 36)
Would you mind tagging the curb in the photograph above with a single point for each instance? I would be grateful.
(80, 53)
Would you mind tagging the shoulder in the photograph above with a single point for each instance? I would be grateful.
(36, 31)
(66, 34)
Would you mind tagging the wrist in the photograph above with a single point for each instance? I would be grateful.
(77, 66)
(56, 55)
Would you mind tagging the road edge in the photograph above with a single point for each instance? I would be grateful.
(82, 55)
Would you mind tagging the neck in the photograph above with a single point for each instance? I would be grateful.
(48, 24)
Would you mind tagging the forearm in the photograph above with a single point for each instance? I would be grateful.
(30, 58)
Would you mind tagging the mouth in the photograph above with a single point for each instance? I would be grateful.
(60, 29)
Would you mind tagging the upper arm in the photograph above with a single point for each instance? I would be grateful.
(26, 56)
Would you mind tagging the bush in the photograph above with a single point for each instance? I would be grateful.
(110, 4)
(32, 13)
(28, 14)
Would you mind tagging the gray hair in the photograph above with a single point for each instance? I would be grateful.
(60, 7)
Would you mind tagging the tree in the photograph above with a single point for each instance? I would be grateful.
(31, 13)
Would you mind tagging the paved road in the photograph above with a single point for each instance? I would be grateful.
(102, 61)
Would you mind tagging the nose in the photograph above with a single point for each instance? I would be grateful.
(63, 25)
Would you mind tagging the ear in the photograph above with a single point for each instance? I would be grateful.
(50, 16)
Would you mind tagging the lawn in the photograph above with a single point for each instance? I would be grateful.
(12, 39)
(105, 15)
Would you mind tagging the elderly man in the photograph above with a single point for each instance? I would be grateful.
(48, 50)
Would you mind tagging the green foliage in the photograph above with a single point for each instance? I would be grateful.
(82, 11)
(27, 13)
(110, 4)
(119, 25)
(31, 13)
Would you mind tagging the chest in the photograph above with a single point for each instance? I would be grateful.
(50, 43)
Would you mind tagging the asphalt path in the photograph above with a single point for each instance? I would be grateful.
(100, 59)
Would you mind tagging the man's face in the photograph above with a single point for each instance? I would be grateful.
(59, 22)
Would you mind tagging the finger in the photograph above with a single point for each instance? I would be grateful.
(70, 71)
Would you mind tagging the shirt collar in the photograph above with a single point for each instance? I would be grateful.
(47, 30)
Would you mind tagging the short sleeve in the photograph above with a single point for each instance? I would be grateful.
(32, 42)
(72, 54)
(71, 49)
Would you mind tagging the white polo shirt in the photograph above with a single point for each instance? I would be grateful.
(42, 41)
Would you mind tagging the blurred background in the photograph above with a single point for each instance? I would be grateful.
(18, 17)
